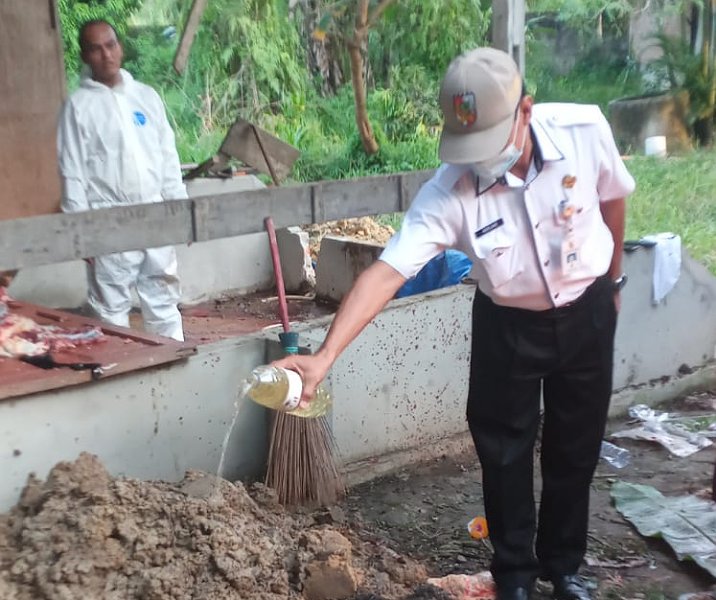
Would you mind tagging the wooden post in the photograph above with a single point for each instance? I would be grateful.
(508, 29)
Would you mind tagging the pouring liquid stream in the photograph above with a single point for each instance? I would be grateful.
(241, 399)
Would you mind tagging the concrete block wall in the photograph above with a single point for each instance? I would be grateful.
(340, 262)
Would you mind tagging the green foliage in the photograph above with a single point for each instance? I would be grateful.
(582, 15)
(330, 145)
(679, 195)
(596, 77)
(252, 52)
(679, 68)
(249, 60)
(426, 34)
(73, 13)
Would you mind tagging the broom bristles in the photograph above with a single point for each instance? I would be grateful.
(301, 463)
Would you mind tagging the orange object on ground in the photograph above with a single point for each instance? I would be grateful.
(477, 528)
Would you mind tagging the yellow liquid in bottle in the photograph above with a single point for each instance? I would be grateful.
(271, 387)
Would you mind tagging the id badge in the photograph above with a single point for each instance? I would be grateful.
(571, 256)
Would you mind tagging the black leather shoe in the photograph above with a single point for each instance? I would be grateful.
(514, 593)
(570, 587)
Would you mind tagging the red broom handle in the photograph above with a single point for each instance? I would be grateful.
(278, 274)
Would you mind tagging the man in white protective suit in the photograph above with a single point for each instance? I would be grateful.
(116, 148)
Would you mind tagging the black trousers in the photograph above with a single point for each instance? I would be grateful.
(564, 355)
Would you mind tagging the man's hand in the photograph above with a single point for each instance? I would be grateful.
(312, 368)
(617, 301)
(370, 293)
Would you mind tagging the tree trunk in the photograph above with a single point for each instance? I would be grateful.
(356, 47)
(323, 56)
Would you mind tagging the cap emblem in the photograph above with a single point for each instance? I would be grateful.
(465, 109)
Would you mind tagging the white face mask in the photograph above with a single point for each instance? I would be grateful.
(492, 169)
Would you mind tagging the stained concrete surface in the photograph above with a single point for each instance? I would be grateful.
(423, 512)
(236, 315)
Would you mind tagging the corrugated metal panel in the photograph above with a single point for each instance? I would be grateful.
(121, 350)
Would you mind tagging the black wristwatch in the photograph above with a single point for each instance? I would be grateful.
(619, 282)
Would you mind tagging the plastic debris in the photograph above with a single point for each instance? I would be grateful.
(477, 528)
(614, 455)
(447, 268)
(467, 587)
(686, 523)
(646, 413)
(665, 429)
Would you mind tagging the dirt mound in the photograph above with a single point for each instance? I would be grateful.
(84, 534)
(365, 229)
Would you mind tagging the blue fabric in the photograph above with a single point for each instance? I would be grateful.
(447, 268)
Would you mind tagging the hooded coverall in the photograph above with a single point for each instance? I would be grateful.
(116, 148)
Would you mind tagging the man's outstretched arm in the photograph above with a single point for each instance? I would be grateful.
(373, 289)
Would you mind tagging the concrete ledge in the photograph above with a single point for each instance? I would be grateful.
(340, 263)
(662, 390)
(364, 470)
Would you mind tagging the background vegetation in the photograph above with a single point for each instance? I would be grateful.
(262, 60)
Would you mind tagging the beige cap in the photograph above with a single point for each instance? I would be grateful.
(478, 98)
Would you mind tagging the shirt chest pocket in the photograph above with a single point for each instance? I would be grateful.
(498, 252)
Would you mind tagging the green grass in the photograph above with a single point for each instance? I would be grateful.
(678, 195)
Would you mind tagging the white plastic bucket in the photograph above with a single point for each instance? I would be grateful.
(655, 146)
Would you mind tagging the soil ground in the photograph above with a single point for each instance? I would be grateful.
(423, 511)
(84, 534)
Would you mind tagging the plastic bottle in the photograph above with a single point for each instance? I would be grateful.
(280, 389)
(614, 455)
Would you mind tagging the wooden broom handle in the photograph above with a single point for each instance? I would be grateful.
(278, 274)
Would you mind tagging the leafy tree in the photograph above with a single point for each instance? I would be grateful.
(393, 31)
(586, 16)
(252, 53)
(688, 64)
(427, 34)
(73, 13)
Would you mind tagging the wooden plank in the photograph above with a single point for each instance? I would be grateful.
(229, 215)
(367, 196)
(57, 238)
(187, 37)
(241, 143)
(411, 184)
(32, 86)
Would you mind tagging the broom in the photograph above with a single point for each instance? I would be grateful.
(301, 461)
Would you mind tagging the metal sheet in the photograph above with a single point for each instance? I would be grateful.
(121, 351)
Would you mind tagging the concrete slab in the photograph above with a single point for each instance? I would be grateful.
(340, 262)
